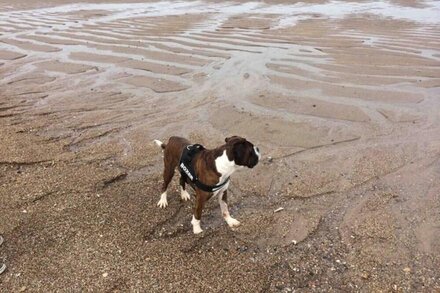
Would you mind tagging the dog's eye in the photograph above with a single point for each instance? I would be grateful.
(258, 150)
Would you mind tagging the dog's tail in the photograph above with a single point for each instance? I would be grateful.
(160, 144)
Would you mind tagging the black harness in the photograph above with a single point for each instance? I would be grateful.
(187, 169)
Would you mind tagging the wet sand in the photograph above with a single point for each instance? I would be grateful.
(341, 97)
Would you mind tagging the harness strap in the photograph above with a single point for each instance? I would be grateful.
(187, 169)
(208, 188)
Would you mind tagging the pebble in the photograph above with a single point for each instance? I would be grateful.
(407, 270)
(105, 275)
(278, 210)
(2, 268)
(242, 248)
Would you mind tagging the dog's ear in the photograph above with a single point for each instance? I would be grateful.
(234, 139)
(228, 138)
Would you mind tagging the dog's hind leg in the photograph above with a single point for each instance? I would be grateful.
(167, 176)
(223, 200)
(183, 193)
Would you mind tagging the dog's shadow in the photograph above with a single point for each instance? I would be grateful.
(178, 223)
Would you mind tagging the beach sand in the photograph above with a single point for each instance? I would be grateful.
(342, 99)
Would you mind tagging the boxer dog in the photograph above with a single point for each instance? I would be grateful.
(207, 171)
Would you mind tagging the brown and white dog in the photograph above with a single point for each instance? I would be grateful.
(212, 167)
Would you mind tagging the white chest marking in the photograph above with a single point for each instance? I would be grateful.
(224, 166)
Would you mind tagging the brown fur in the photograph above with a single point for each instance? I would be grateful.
(237, 149)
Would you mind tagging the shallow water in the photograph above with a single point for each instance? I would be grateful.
(290, 14)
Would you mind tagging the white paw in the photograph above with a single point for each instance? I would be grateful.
(196, 226)
(184, 195)
(163, 203)
(232, 222)
(197, 230)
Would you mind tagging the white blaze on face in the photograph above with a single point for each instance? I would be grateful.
(257, 152)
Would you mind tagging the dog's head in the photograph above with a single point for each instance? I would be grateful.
(242, 152)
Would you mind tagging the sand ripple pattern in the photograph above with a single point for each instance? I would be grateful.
(297, 77)
(342, 98)
(318, 72)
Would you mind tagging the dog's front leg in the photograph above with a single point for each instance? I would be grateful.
(201, 198)
(223, 200)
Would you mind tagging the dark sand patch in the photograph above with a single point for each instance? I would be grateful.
(31, 79)
(97, 57)
(158, 85)
(155, 67)
(30, 46)
(267, 128)
(249, 21)
(49, 40)
(9, 55)
(313, 107)
(389, 96)
(64, 67)
(399, 116)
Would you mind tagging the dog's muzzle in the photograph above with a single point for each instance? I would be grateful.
(256, 156)
(257, 152)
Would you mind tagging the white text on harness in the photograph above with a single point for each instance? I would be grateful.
(183, 167)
